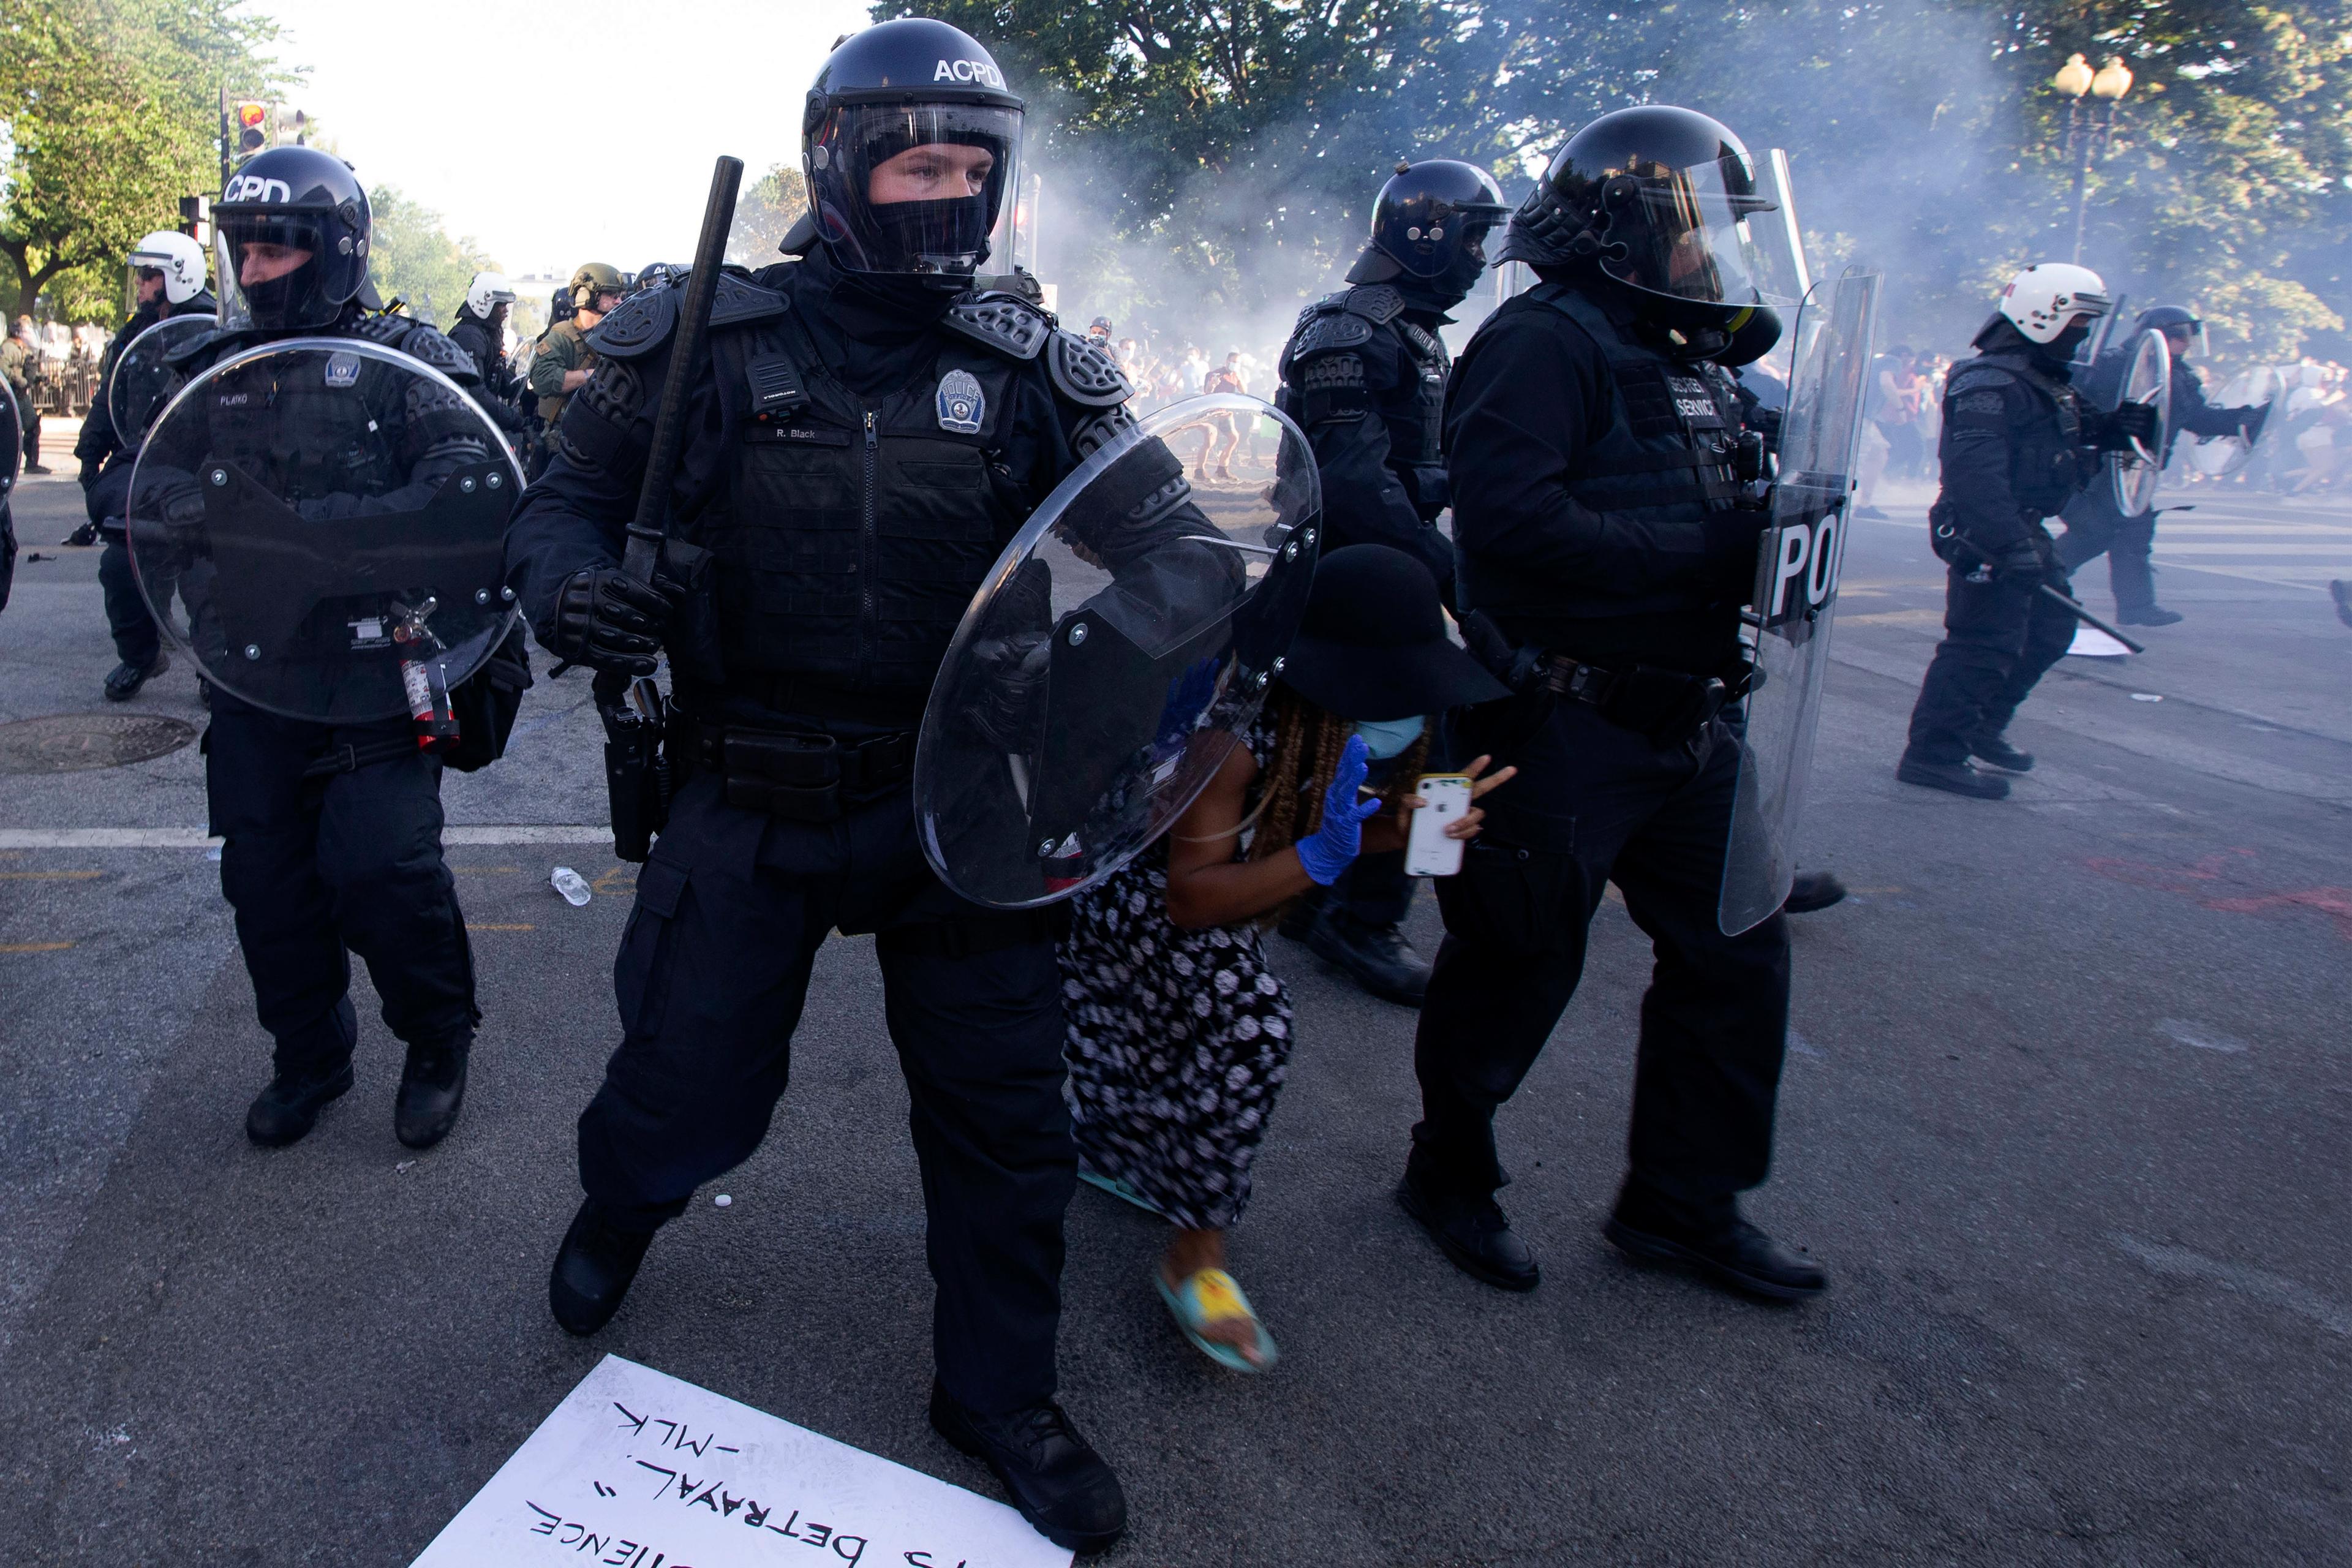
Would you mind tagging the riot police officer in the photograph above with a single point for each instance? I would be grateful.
(1606, 554)
(2018, 441)
(481, 330)
(2095, 524)
(333, 833)
(867, 433)
(167, 279)
(1364, 375)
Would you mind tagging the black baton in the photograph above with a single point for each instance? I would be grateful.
(2074, 607)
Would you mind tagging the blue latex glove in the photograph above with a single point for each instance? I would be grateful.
(1341, 837)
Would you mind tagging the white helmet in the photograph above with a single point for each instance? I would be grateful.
(179, 259)
(487, 293)
(2045, 299)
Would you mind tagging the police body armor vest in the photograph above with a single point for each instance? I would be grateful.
(1371, 319)
(354, 428)
(1665, 457)
(857, 532)
(2048, 459)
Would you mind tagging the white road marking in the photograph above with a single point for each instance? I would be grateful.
(2272, 1289)
(194, 838)
(2202, 1038)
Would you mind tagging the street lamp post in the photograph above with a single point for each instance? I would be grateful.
(2089, 131)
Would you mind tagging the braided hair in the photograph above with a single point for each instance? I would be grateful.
(1307, 743)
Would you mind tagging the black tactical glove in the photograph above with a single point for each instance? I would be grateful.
(606, 619)
(2130, 422)
(2250, 421)
(2029, 558)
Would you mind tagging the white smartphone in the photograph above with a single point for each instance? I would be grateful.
(1428, 852)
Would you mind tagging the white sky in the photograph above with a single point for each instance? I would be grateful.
(548, 152)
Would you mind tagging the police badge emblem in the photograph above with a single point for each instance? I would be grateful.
(962, 407)
(342, 369)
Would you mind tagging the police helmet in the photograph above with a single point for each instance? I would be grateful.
(922, 104)
(1430, 223)
(486, 293)
(178, 258)
(2051, 299)
(2171, 319)
(1658, 199)
(593, 279)
(291, 246)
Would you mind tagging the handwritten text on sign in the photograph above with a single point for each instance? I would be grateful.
(638, 1470)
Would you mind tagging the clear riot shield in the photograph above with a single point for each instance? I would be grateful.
(1796, 591)
(2147, 379)
(330, 516)
(2219, 457)
(1116, 654)
(144, 378)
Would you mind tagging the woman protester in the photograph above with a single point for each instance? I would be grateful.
(1179, 1033)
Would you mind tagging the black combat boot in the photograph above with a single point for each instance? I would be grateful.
(593, 1269)
(284, 1112)
(1058, 1480)
(432, 1090)
(1957, 777)
(1712, 1241)
(1811, 891)
(124, 683)
(1471, 1231)
(1377, 958)
(1994, 748)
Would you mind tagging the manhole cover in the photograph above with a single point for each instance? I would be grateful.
(67, 742)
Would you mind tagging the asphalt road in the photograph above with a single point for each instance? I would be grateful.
(2065, 1115)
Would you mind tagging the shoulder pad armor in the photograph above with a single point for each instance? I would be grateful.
(642, 323)
(1004, 322)
(1376, 303)
(1331, 330)
(740, 299)
(429, 345)
(1979, 375)
(383, 328)
(1084, 373)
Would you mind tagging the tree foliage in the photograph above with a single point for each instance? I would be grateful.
(411, 256)
(1225, 153)
(111, 114)
(765, 213)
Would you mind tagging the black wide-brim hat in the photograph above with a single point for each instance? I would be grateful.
(1372, 645)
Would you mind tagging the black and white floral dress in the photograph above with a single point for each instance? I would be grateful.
(1178, 1040)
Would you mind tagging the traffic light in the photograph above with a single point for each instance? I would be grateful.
(252, 127)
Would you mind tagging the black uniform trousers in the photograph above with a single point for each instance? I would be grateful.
(320, 868)
(1595, 804)
(2001, 637)
(136, 639)
(2093, 527)
(712, 973)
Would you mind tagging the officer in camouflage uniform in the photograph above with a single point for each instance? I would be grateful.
(20, 365)
(564, 361)
(1364, 375)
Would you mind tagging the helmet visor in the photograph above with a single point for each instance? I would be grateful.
(1697, 234)
(914, 188)
(269, 272)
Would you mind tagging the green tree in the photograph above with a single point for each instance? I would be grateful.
(1221, 153)
(764, 214)
(411, 256)
(111, 115)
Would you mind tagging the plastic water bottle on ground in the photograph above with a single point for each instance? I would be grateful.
(568, 882)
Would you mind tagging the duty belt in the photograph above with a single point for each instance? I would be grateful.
(1666, 705)
(800, 775)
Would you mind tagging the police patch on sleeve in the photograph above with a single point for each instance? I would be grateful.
(342, 368)
(962, 404)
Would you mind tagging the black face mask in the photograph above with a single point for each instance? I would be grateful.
(2064, 345)
(276, 302)
(956, 227)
